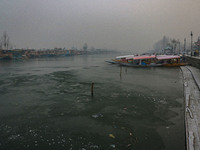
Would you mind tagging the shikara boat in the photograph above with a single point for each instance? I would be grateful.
(141, 61)
(149, 61)
(111, 62)
(119, 59)
(170, 60)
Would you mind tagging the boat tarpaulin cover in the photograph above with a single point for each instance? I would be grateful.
(125, 56)
(144, 57)
(167, 57)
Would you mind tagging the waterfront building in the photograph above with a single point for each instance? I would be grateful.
(168, 50)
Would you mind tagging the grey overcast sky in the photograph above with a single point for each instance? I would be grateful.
(131, 25)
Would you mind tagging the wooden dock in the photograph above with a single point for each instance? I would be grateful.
(192, 106)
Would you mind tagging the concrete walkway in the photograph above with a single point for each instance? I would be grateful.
(196, 74)
(192, 106)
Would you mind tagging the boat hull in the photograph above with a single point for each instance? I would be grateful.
(140, 65)
(174, 65)
(111, 62)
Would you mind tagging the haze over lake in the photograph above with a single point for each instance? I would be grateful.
(130, 25)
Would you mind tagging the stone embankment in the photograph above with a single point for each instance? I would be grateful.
(192, 106)
(194, 61)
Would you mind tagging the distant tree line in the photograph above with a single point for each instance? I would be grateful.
(5, 42)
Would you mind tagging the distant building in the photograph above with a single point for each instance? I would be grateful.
(197, 46)
(168, 50)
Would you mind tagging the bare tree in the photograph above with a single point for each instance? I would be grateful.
(174, 43)
(92, 48)
(85, 46)
(161, 44)
(5, 41)
(1, 44)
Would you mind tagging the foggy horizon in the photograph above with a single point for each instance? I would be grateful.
(131, 25)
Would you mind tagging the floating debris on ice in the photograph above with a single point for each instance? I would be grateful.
(112, 145)
(94, 146)
(112, 136)
(99, 115)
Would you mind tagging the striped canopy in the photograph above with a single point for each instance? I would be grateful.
(144, 57)
(167, 57)
(125, 56)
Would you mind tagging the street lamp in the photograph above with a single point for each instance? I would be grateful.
(191, 42)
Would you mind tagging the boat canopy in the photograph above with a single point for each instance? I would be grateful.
(167, 57)
(143, 57)
(125, 56)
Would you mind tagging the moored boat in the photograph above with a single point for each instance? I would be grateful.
(111, 61)
(171, 60)
(141, 61)
(149, 61)
(122, 59)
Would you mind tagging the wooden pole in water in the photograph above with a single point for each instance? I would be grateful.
(120, 72)
(92, 89)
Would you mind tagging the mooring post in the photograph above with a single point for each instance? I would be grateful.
(120, 72)
(92, 89)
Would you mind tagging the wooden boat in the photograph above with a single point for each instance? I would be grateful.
(141, 61)
(122, 59)
(111, 62)
(149, 61)
(119, 59)
(170, 60)
(174, 65)
(141, 65)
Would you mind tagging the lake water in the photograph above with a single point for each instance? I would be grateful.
(46, 103)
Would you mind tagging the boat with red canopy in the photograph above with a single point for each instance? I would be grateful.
(150, 60)
(141, 61)
(170, 60)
